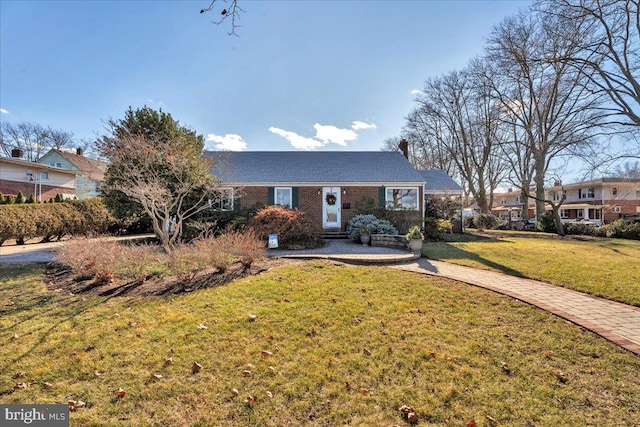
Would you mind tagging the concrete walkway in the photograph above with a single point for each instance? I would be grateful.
(619, 323)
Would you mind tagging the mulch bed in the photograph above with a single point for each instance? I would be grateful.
(61, 278)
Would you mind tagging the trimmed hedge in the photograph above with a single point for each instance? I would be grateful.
(48, 221)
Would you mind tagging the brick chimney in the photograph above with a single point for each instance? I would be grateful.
(404, 147)
(79, 151)
(17, 153)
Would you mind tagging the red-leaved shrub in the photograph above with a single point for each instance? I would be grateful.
(291, 225)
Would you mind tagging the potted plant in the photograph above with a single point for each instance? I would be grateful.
(365, 234)
(415, 238)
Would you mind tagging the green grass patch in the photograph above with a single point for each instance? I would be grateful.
(349, 346)
(608, 268)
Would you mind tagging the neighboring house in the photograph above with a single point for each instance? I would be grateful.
(41, 181)
(512, 203)
(90, 171)
(325, 185)
(599, 201)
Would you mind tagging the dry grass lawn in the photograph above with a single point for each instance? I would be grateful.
(608, 268)
(329, 345)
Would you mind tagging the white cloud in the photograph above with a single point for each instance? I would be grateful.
(3, 111)
(229, 141)
(357, 125)
(416, 92)
(325, 134)
(298, 141)
(328, 133)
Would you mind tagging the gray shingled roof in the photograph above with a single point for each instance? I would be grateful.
(438, 180)
(315, 166)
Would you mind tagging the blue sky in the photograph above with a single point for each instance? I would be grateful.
(321, 75)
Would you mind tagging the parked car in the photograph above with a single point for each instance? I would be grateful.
(524, 224)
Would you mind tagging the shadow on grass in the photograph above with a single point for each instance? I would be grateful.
(444, 251)
(48, 310)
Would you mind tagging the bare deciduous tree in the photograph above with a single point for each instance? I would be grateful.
(32, 138)
(457, 116)
(608, 53)
(228, 9)
(548, 101)
(170, 185)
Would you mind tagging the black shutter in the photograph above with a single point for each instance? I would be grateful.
(270, 196)
(381, 197)
(295, 198)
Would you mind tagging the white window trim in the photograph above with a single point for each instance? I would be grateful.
(219, 205)
(389, 203)
(275, 196)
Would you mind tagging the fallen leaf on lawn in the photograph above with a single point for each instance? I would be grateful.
(14, 336)
(347, 385)
(22, 385)
(132, 324)
(80, 404)
(201, 326)
(505, 368)
(116, 315)
(47, 385)
(90, 348)
(168, 361)
(155, 376)
(250, 399)
(491, 420)
(195, 368)
(266, 353)
(471, 423)
(72, 405)
(412, 417)
(19, 374)
(246, 373)
(364, 390)
(250, 366)
(272, 369)
(269, 394)
(121, 392)
(252, 317)
(235, 391)
(98, 373)
(10, 303)
(366, 351)
(560, 375)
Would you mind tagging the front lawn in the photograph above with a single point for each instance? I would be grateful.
(315, 343)
(609, 268)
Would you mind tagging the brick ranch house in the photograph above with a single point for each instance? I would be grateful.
(325, 185)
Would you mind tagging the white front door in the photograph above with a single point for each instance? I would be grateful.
(331, 207)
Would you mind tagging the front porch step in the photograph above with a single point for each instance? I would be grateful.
(334, 234)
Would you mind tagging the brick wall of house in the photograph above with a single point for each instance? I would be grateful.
(48, 192)
(310, 200)
(627, 207)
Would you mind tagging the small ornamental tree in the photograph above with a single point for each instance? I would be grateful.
(31, 199)
(1, 198)
(156, 170)
(19, 198)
